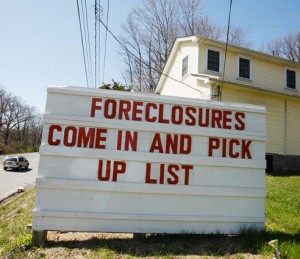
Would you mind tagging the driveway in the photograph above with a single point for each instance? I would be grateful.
(10, 181)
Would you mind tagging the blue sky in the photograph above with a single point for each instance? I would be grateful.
(40, 40)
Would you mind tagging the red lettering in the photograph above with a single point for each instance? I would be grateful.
(213, 143)
(227, 119)
(230, 146)
(130, 140)
(162, 174)
(110, 109)
(100, 138)
(233, 142)
(172, 171)
(177, 115)
(156, 144)
(245, 149)
(70, 135)
(191, 121)
(51, 133)
(107, 171)
(148, 175)
(94, 106)
(171, 143)
(185, 144)
(119, 140)
(161, 118)
(204, 123)
(216, 119)
(137, 111)
(86, 138)
(187, 169)
(124, 109)
(224, 142)
(119, 168)
(239, 116)
(148, 112)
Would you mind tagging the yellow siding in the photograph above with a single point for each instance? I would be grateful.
(266, 75)
(231, 67)
(293, 127)
(269, 76)
(174, 87)
(275, 117)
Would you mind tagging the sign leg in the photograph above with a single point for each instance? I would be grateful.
(39, 237)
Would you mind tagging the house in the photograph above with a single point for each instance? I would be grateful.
(195, 69)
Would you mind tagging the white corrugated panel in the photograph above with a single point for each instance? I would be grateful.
(208, 179)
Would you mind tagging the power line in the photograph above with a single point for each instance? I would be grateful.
(96, 43)
(98, 13)
(85, 65)
(87, 40)
(142, 61)
(104, 57)
(228, 27)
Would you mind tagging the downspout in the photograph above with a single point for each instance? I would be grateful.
(285, 127)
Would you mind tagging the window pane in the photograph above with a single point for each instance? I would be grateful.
(213, 60)
(244, 68)
(290, 79)
(11, 159)
(185, 63)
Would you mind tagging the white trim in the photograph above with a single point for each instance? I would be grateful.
(238, 66)
(152, 157)
(220, 61)
(124, 187)
(47, 214)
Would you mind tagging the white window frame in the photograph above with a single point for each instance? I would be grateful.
(220, 61)
(187, 66)
(238, 67)
(285, 78)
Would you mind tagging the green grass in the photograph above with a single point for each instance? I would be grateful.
(282, 218)
(282, 223)
(14, 218)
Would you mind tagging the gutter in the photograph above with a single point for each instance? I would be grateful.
(288, 92)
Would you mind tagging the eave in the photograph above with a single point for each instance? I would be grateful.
(287, 93)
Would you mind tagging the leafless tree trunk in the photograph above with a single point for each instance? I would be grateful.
(149, 35)
(151, 30)
(20, 124)
(285, 47)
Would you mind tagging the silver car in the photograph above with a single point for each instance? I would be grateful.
(15, 162)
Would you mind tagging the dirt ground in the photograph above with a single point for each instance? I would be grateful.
(113, 245)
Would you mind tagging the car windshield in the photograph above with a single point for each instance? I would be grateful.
(11, 159)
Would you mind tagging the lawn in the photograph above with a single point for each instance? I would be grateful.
(282, 223)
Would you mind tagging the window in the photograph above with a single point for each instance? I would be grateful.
(244, 68)
(291, 79)
(213, 60)
(185, 66)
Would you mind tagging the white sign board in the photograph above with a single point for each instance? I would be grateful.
(113, 161)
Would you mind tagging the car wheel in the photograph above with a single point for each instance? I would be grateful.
(26, 167)
(5, 168)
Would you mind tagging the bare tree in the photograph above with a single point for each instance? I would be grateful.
(20, 124)
(286, 47)
(238, 36)
(192, 22)
(151, 30)
(149, 35)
